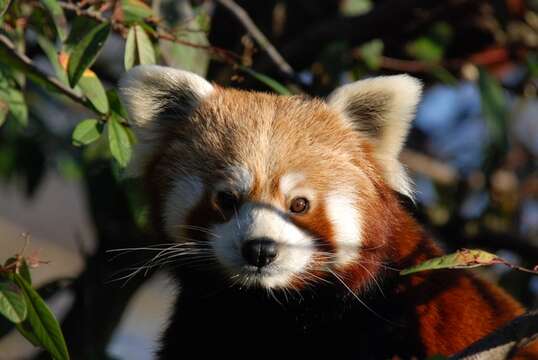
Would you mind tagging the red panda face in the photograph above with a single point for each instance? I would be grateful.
(276, 190)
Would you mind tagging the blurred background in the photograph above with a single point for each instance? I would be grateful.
(472, 152)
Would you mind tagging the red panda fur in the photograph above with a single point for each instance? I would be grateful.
(443, 311)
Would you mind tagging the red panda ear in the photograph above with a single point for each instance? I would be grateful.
(157, 97)
(382, 109)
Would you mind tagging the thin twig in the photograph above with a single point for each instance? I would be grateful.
(29, 68)
(262, 40)
(440, 172)
(6, 8)
(82, 12)
(122, 29)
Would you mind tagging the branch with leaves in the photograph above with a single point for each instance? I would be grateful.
(24, 307)
(465, 259)
(23, 63)
(260, 38)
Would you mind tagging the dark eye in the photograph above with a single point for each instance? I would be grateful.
(227, 200)
(299, 205)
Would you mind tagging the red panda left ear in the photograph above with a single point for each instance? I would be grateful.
(158, 98)
(382, 108)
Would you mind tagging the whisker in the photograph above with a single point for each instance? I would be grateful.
(374, 247)
(318, 277)
(197, 228)
(373, 278)
(357, 297)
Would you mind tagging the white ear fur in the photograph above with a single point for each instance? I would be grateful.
(382, 109)
(157, 97)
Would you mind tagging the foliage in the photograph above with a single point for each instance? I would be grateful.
(463, 259)
(24, 307)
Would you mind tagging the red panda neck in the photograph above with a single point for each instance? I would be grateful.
(392, 240)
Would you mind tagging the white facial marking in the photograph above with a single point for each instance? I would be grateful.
(295, 247)
(345, 217)
(239, 180)
(186, 192)
(289, 181)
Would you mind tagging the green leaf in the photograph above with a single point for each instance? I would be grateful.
(371, 53)
(24, 271)
(425, 49)
(46, 291)
(4, 110)
(355, 7)
(494, 108)
(190, 27)
(7, 58)
(26, 330)
(50, 50)
(80, 27)
(146, 54)
(138, 48)
(11, 98)
(57, 14)
(444, 75)
(92, 87)
(130, 56)
(135, 11)
(466, 258)
(68, 167)
(272, 83)
(18, 108)
(12, 304)
(532, 64)
(85, 52)
(115, 103)
(118, 140)
(16, 104)
(4, 7)
(86, 132)
(144, 47)
(41, 326)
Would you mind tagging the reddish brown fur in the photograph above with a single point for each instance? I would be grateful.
(454, 308)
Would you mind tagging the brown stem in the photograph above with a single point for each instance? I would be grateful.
(260, 38)
(25, 63)
(83, 12)
(121, 28)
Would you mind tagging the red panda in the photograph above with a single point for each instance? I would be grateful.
(286, 227)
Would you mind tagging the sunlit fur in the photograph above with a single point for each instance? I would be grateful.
(334, 284)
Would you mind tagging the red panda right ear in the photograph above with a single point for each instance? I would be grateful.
(381, 109)
(157, 97)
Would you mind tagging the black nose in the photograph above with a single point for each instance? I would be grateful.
(259, 252)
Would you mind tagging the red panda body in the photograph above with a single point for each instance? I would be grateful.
(439, 312)
(286, 225)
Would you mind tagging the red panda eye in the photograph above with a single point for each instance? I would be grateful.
(227, 200)
(299, 205)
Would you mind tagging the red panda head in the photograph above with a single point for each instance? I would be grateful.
(279, 191)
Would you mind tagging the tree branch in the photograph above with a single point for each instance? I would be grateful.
(260, 38)
(436, 170)
(119, 27)
(505, 342)
(21, 61)
(357, 29)
(82, 12)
